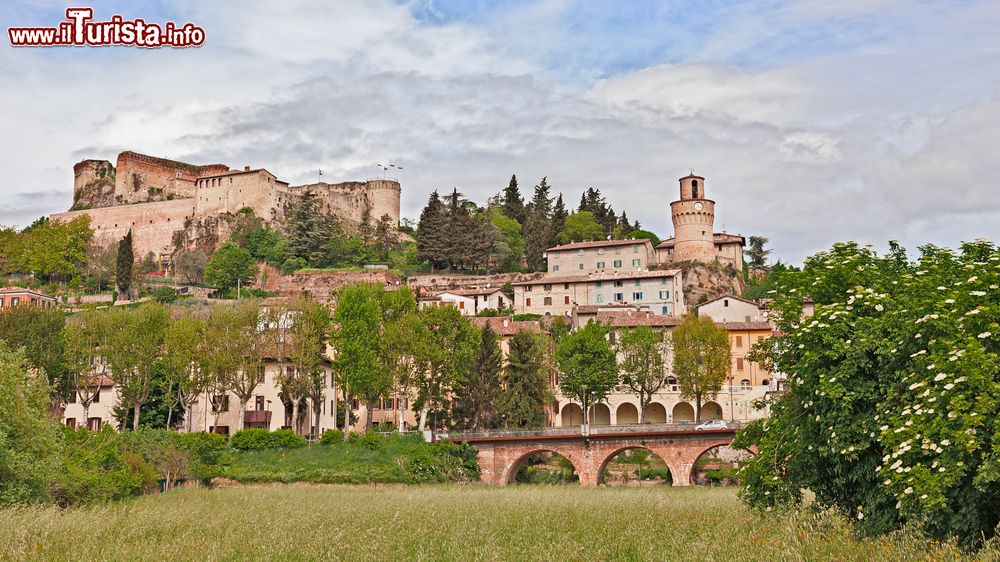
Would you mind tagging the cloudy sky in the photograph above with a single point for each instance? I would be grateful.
(813, 121)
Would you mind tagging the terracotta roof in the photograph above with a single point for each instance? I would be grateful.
(601, 276)
(100, 380)
(717, 237)
(598, 244)
(506, 326)
(632, 319)
(470, 292)
(596, 308)
(734, 326)
(22, 290)
(728, 297)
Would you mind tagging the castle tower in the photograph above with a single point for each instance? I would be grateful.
(694, 218)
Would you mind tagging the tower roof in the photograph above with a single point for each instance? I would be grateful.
(692, 175)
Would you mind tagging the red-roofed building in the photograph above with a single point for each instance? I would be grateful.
(18, 296)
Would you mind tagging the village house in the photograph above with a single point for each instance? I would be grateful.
(19, 296)
(732, 309)
(472, 301)
(557, 295)
(600, 255)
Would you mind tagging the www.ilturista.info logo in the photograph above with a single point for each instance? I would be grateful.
(79, 31)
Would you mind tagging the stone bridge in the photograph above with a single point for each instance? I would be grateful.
(502, 454)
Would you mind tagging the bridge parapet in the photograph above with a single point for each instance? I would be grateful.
(593, 431)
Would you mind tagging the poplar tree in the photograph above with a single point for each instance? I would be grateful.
(589, 366)
(124, 263)
(526, 392)
(475, 408)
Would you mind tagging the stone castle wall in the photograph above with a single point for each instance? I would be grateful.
(152, 224)
(93, 184)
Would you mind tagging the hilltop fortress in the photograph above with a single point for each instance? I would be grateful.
(169, 204)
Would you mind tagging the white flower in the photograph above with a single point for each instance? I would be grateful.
(940, 377)
(879, 307)
(949, 301)
(949, 386)
(908, 490)
(984, 335)
(978, 293)
(923, 497)
(946, 442)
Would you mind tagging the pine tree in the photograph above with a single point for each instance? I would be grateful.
(559, 214)
(475, 408)
(461, 248)
(513, 203)
(526, 393)
(308, 229)
(594, 202)
(431, 232)
(124, 263)
(537, 227)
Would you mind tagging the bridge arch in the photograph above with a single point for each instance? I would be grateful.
(510, 475)
(610, 456)
(721, 442)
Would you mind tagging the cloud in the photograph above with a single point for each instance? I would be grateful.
(812, 122)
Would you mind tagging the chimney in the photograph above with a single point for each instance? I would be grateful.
(246, 168)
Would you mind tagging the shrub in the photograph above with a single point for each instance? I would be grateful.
(261, 439)
(208, 454)
(164, 295)
(332, 437)
(98, 466)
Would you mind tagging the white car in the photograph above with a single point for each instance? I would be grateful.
(711, 424)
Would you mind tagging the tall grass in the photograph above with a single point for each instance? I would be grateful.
(442, 522)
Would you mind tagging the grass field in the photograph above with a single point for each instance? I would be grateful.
(441, 522)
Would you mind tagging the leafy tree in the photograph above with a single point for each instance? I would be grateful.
(190, 264)
(432, 235)
(308, 332)
(39, 331)
(644, 363)
(346, 251)
(55, 250)
(702, 359)
(446, 355)
(402, 355)
(184, 345)
(29, 439)
(148, 264)
(357, 320)
(131, 346)
(384, 237)
(459, 232)
(588, 364)
(230, 265)
(526, 392)
(476, 396)
(892, 408)
(124, 263)
(100, 267)
(537, 227)
(82, 337)
(513, 203)
(644, 234)
(580, 227)
(510, 229)
(756, 252)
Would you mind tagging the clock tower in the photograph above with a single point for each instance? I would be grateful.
(694, 218)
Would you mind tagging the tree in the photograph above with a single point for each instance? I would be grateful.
(526, 392)
(229, 266)
(460, 232)
(131, 347)
(892, 408)
(55, 250)
(357, 321)
(29, 440)
(308, 335)
(476, 396)
(402, 355)
(702, 359)
(81, 338)
(432, 241)
(308, 229)
(588, 364)
(644, 234)
(644, 363)
(513, 203)
(124, 263)
(510, 229)
(190, 264)
(39, 331)
(384, 237)
(756, 252)
(580, 227)
(184, 345)
(594, 202)
(537, 227)
(559, 214)
(447, 355)
(100, 266)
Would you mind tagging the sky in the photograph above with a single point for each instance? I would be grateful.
(812, 121)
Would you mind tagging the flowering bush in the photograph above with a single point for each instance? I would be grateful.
(893, 390)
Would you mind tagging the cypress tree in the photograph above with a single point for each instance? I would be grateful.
(123, 265)
(476, 397)
(431, 232)
(559, 214)
(513, 203)
(537, 227)
(308, 229)
(522, 403)
(460, 235)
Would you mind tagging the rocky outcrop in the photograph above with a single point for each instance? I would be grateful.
(706, 281)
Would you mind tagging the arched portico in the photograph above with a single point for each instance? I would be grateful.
(711, 410)
(600, 415)
(656, 413)
(626, 413)
(571, 415)
(683, 412)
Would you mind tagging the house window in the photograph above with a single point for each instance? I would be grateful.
(260, 374)
(665, 310)
(354, 403)
(725, 303)
(744, 384)
(581, 252)
(555, 267)
(259, 402)
(461, 305)
(600, 265)
(739, 341)
(739, 363)
(547, 301)
(376, 405)
(636, 263)
(664, 295)
(333, 406)
(70, 422)
(619, 283)
(566, 299)
(619, 297)
(635, 248)
(547, 287)
(637, 296)
(597, 284)
(618, 250)
(600, 298)
(94, 424)
(638, 282)
(765, 382)
(581, 266)
(14, 301)
(527, 302)
(97, 396)
(617, 263)
(527, 288)
(694, 188)
(1, 302)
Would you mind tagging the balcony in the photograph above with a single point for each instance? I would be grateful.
(257, 419)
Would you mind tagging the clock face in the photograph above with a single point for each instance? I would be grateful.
(698, 206)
